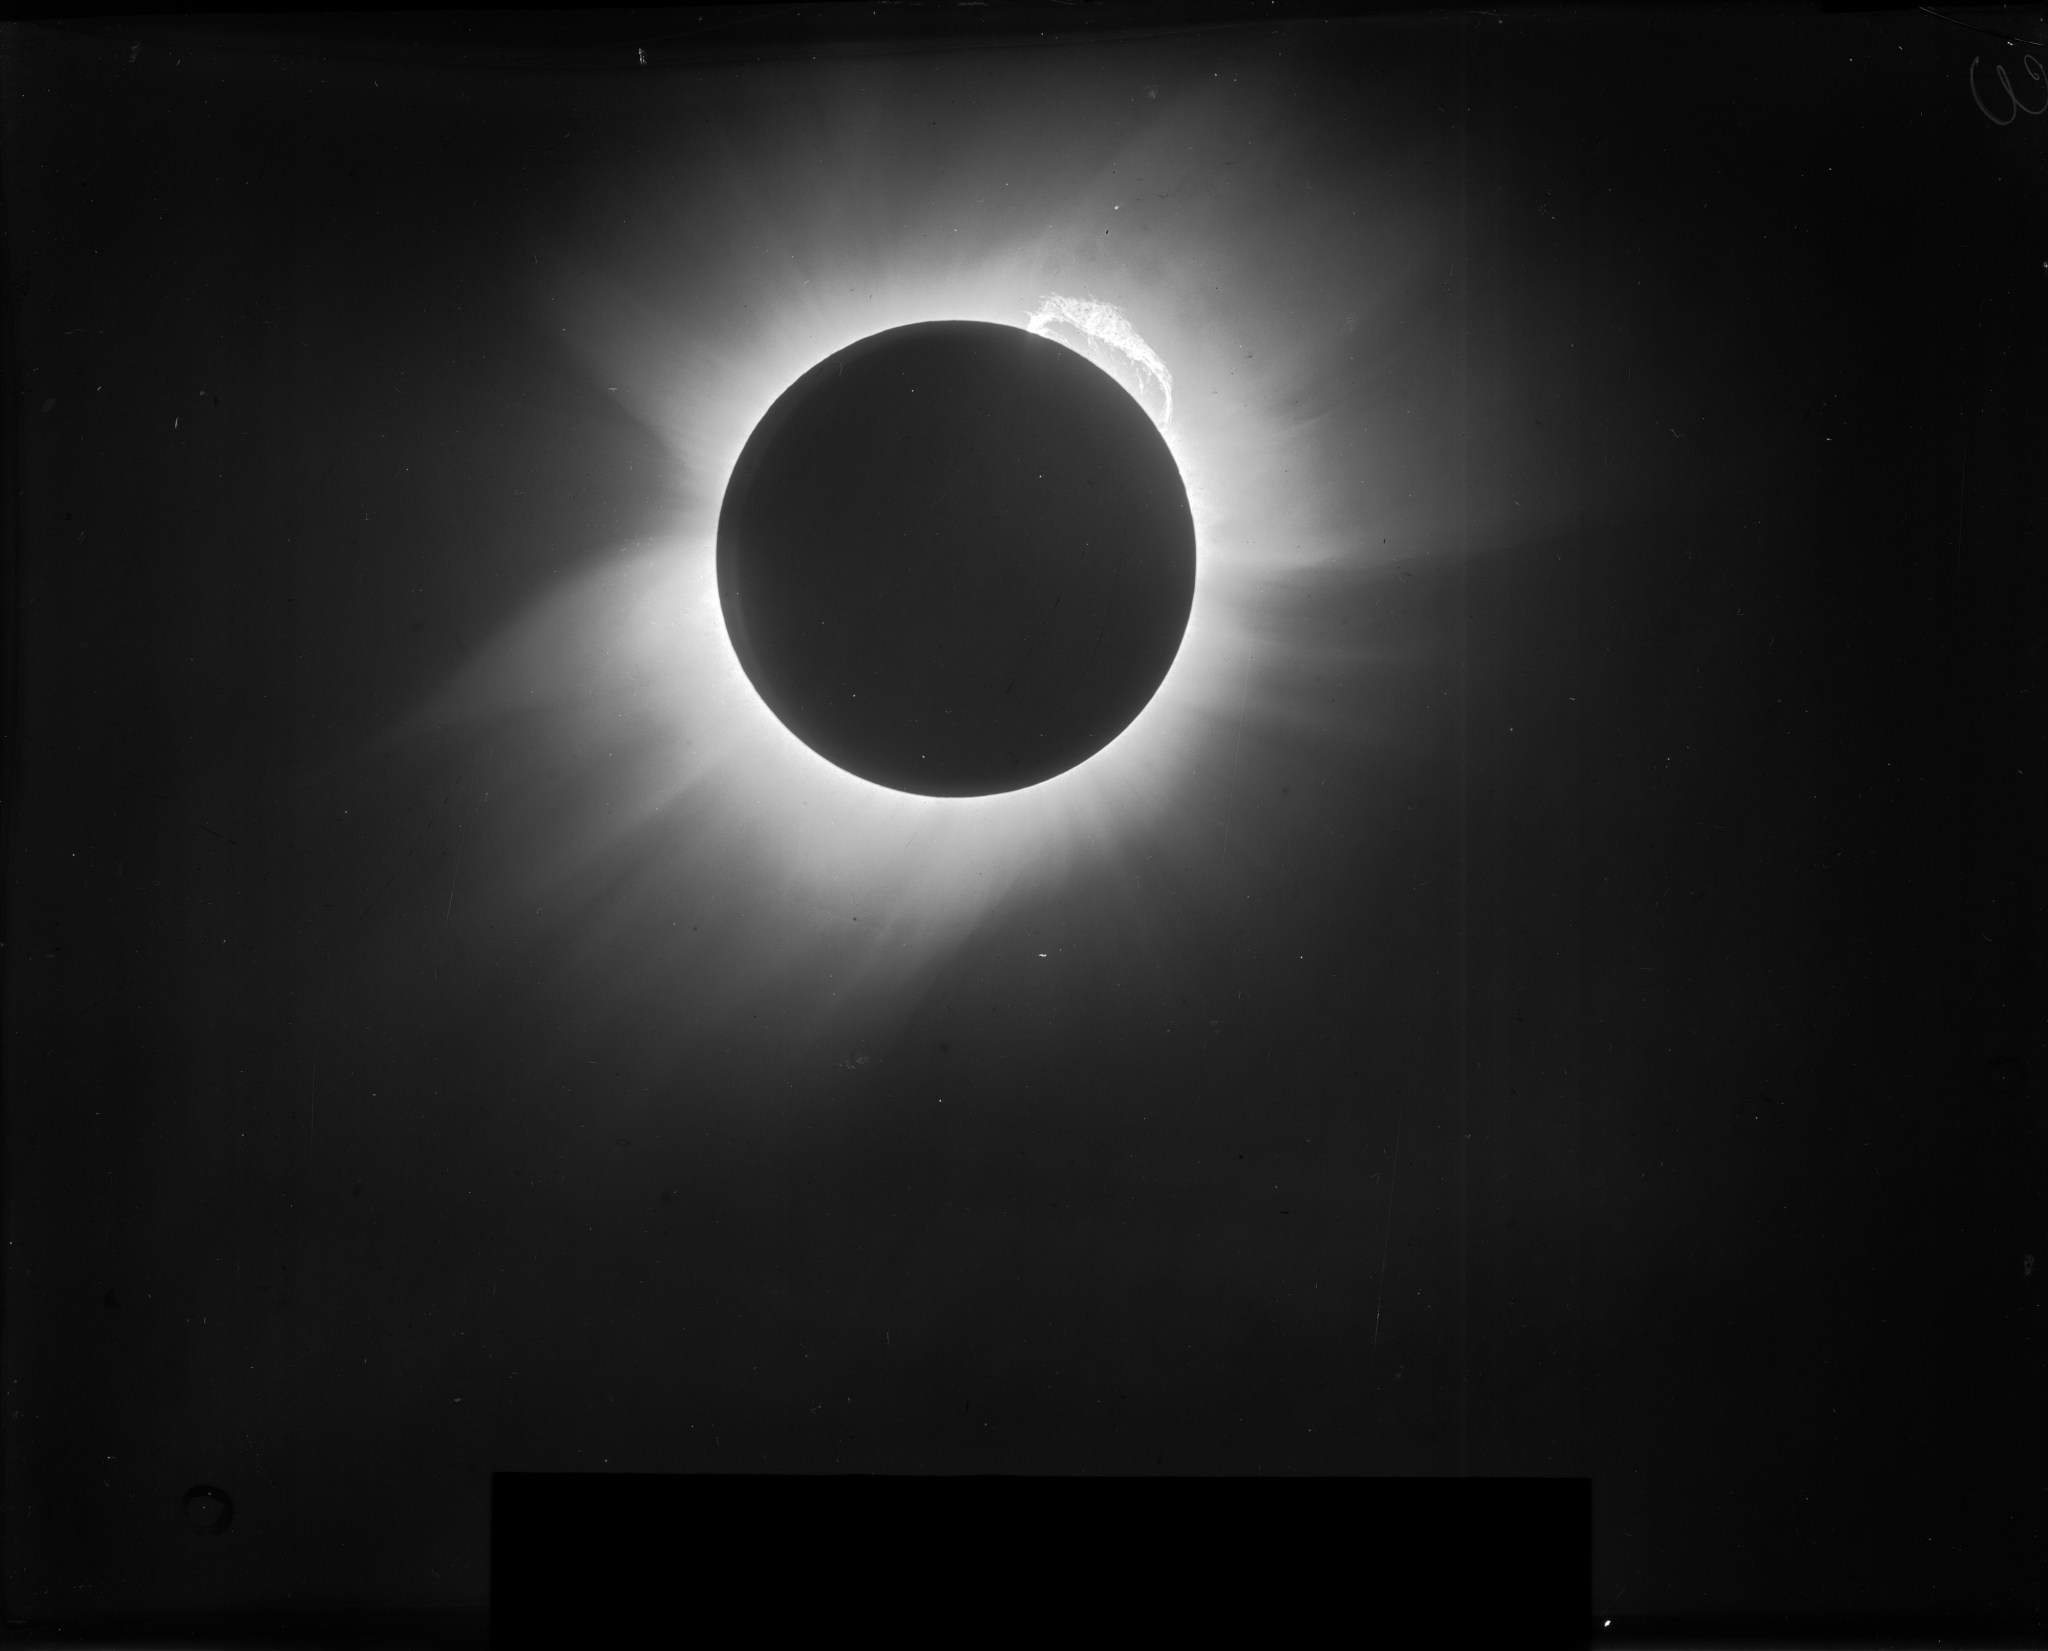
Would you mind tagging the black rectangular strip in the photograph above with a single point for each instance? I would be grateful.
(579, 1558)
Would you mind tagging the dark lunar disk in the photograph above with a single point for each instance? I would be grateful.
(956, 558)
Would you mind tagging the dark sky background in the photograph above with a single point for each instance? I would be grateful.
(1574, 1007)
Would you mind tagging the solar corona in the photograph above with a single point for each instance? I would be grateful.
(974, 571)
(969, 589)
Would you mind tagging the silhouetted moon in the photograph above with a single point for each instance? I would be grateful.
(956, 558)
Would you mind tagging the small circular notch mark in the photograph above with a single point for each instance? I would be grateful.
(209, 1510)
(2006, 1075)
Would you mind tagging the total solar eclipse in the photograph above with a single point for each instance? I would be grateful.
(956, 558)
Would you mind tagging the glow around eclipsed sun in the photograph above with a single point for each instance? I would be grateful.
(700, 853)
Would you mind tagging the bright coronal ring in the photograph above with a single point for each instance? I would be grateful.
(911, 858)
